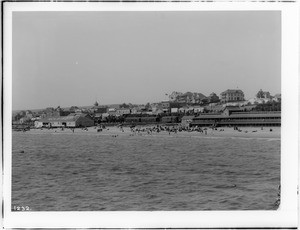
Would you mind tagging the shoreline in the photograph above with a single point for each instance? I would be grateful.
(114, 131)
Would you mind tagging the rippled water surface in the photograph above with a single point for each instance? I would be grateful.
(91, 172)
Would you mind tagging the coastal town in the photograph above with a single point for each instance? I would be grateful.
(188, 109)
(152, 111)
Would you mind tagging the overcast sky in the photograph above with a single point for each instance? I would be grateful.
(74, 58)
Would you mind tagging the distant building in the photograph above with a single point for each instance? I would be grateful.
(165, 105)
(231, 95)
(51, 112)
(188, 97)
(116, 106)
(237, 119)
(186, 120)
(198, 109)
(98, 109)
(213, 108)
(169, 119)
(38, 124)
(174, 110)
(112, 111)
(80, 110)
(123, 111)
(183, 109)
(191, 98)
(71, 121)
(256, 101)
(156, 108)
(228, 110)
(73, 108)
(136, 110)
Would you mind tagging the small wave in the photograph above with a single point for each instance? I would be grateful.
(257, 138)
(225, 186)
(209, 137)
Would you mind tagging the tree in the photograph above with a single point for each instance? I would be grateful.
(260, 94)
(73, 108)
(124, 105)
(204, 101)
(213, 98)
(148, 106)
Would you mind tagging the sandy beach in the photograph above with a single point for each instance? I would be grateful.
(226, 132)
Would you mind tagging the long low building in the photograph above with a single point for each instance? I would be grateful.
(238, 119)
(169, 119)
(72, 121)
(150, 119)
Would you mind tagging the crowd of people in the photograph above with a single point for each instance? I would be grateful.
(169, 129)
(178, 128)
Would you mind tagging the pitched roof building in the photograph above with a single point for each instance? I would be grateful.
(232, 95)
(73, 120)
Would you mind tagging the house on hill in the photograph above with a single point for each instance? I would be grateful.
(191, 98)
(187, 98)
(232, 95)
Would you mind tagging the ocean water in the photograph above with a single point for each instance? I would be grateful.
(93, 172)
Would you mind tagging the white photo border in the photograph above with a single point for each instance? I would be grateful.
(285, 217)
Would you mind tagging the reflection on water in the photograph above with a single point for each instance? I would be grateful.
(61, 172)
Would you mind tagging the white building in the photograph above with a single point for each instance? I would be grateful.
(71, 121)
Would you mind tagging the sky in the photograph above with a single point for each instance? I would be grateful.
(75, 58)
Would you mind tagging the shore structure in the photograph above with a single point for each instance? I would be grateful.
(237, 119)
(71, 121)
(229, 116)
